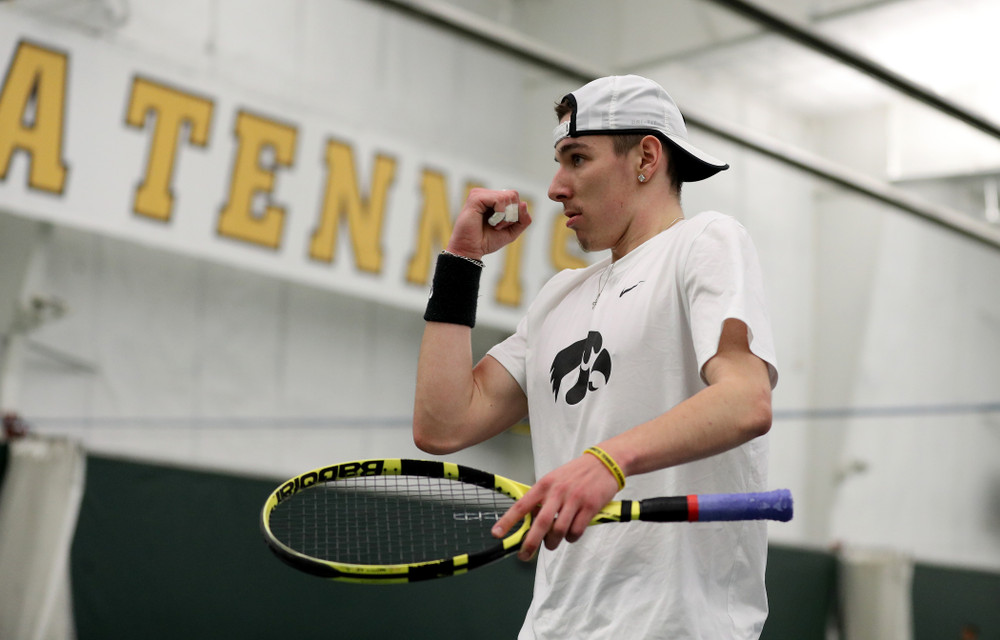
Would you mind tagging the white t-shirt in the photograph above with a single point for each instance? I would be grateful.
(592, 371)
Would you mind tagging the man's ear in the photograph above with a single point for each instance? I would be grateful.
(652, 156)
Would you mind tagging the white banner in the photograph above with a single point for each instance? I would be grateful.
(97, 137)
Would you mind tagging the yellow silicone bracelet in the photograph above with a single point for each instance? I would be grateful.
(610, 463)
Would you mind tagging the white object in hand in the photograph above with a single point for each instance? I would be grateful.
(508, 215)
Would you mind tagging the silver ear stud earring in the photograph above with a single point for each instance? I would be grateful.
(642, 178)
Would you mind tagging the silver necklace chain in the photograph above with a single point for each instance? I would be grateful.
(606, 276)
(600, 285)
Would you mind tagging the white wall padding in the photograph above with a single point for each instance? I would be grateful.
(875, 595)
(39, 504)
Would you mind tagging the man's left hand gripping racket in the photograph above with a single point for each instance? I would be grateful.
(391, 520)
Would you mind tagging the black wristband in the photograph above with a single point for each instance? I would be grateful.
(454, 291)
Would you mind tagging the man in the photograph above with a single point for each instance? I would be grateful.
(648, 373)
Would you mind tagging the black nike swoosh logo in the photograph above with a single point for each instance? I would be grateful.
(624, 291)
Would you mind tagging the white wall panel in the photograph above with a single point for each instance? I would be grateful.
(204, 364)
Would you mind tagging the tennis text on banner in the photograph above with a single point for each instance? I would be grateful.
(92, 137)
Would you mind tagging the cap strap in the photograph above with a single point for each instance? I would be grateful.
(561, 131)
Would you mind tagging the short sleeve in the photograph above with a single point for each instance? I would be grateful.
(512, 352)
(722, 281)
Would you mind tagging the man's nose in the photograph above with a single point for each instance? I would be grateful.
(558, 189)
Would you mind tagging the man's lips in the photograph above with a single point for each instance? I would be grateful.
(572, 217)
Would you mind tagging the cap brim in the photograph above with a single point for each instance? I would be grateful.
(693, 163)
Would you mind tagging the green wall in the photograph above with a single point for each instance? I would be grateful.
(945, 599)
(801, 593)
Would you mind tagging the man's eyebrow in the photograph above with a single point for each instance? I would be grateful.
(569, 147)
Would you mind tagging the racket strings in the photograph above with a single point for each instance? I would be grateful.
(391, 519)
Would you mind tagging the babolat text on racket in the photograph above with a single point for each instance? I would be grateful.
(396, 520)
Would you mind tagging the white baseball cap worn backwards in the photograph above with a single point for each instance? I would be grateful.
(633, 104)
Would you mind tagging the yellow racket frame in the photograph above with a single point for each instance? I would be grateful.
(392, 573)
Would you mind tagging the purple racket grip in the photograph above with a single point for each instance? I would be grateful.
(769, 505)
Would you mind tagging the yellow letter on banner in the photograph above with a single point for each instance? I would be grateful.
(558, 253)
(172, 108)
(509, 289)
(343, 199)
(435, 223)
(238, 220)
(32, 107)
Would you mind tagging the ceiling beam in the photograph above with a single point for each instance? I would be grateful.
(808, 37)
(516, 44)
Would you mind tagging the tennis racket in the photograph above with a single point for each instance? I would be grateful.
(393, 520)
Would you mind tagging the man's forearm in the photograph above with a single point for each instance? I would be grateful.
(444, 385)
(733, 409)
(717, 419)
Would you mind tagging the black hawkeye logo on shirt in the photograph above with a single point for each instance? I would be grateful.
(588, 359)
